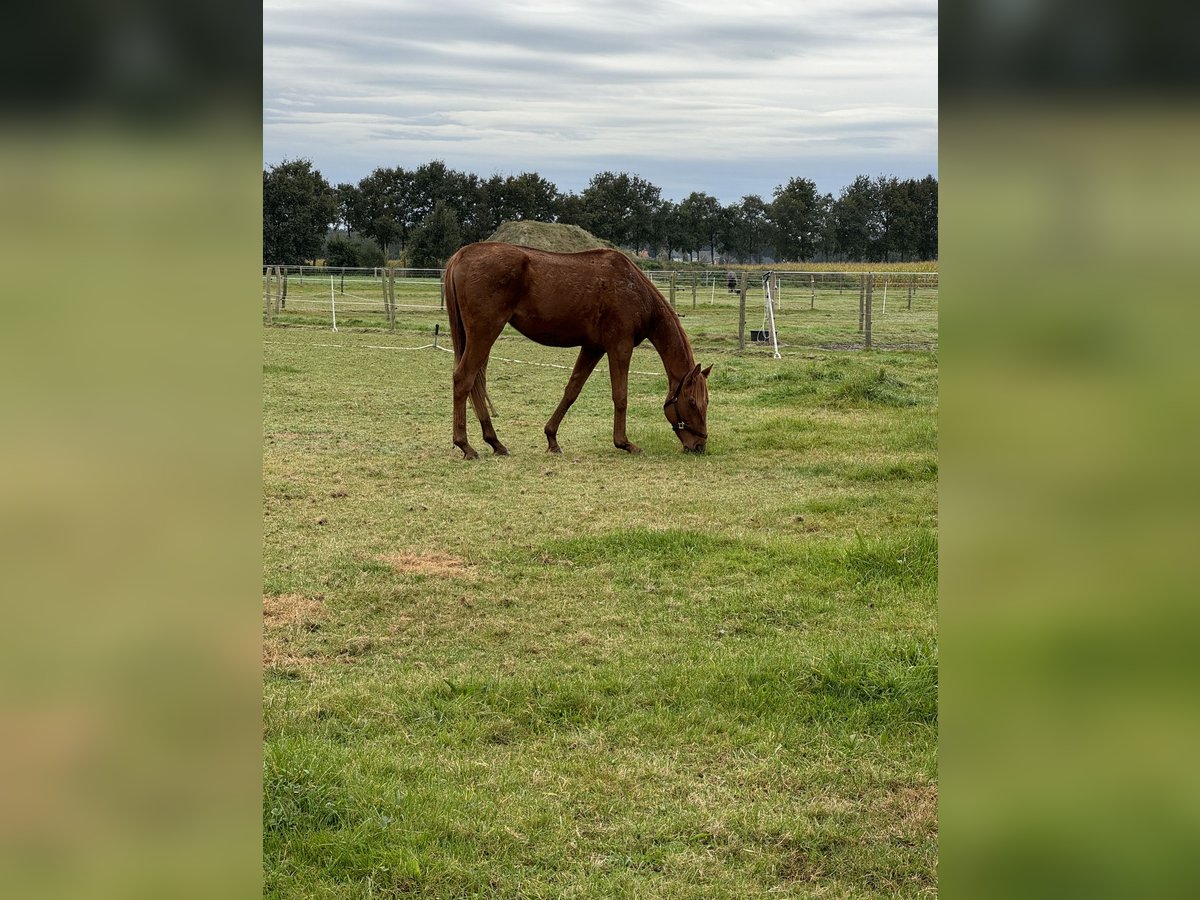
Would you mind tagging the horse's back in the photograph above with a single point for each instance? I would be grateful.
(594, 297)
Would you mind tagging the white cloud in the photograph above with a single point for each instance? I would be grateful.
(744, 95)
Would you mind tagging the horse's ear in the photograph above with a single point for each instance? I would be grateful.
(706, 371)
(695, 371)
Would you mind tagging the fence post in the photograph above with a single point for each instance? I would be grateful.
(742, 312)
(911, 279)
(870, 291)
(812, 285)
(391, 300)
(267, 295)
(673, 277)
(695, 279)
(442, 289)
(775, 290)
(283, 302)
(279, 278)
(862, 293)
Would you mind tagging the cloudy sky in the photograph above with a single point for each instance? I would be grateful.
(731, 97)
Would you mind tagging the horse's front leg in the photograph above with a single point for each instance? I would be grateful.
(618, 370)
(588, 357)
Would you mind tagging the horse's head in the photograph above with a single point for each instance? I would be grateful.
(687, 410)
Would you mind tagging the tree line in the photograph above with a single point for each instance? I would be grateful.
(423, 215)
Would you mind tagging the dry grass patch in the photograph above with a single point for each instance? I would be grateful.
(291, 609)
(432, 563)
(282, 615)
(912, 812)
(273, 658)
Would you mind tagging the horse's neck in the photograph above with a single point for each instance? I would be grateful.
(671, 345)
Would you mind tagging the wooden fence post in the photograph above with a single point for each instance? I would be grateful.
(442, 289)
(862, 293)
(283, 301)
(911, 279)
(267, 294)
(673, 278)
(812, 285)
(742, 312)
(870, 291)
(695, 278)
(391, 300)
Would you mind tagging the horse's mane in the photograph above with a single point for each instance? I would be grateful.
(663, 307)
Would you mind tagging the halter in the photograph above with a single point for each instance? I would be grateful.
(680, 424)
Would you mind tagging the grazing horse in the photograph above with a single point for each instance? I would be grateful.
(597, 300)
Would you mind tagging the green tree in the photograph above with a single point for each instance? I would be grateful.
(570, 210)
(436, 238)
(348, 198)
(667, 230)
(746, 230)
(382, 210)
(796, 216)
(352, 251)
(436, 183)
(857, 225)
(925, 193)
(899, 221)
(620, 208)
(298, 208)
(525, 196)
(700, 222)
(530, 196)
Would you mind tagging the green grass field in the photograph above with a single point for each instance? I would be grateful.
(597, 675)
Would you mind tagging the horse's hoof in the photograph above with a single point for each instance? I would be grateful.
(470, 454)
(631, 448)
(500, 450)
(554, 449)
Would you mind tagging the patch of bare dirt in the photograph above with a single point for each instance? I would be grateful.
(432, 563)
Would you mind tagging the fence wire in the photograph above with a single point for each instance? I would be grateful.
(821, 310)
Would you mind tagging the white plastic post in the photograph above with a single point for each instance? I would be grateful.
(771, 315)
(332, 302)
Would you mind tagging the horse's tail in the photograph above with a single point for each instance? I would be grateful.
(480, 400)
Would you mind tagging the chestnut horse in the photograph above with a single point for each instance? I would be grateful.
(597, 300)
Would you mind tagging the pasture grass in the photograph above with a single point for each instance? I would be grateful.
(598, 675)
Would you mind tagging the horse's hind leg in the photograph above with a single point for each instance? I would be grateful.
(469, 383)
(463, 380)
(484, 416)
